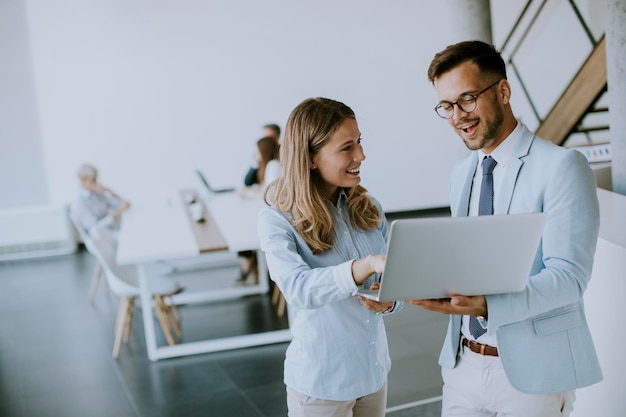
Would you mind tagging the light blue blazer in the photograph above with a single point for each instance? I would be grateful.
(543, 337)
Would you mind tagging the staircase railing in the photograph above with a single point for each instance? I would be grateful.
(580, 98)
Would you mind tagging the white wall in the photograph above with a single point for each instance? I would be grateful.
(603, 301)
(22, 172)
(146, 90)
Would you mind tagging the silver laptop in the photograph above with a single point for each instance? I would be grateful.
(206, 184)
(478, 255)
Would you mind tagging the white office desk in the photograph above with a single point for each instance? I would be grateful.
(154, 231)
(236, 218)
(164, 231)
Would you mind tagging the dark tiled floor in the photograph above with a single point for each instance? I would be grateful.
(55, 354)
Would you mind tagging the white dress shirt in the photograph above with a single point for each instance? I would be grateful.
(501, 155)
(272, 172)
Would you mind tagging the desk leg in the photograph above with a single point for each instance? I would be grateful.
(213, 345)
(146, 311)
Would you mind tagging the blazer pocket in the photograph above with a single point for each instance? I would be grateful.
(564, 320)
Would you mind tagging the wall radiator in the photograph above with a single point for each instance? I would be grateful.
(31, 232)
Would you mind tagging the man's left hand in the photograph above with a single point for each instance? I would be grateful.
(457, 304)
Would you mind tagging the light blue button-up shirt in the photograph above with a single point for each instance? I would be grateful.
(93, 210)
(339, 349)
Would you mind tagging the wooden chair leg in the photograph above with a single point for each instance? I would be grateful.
(281, 306)
(119, 325)
(167, 311)
(163, 321)
(129, 317)
(174, 307)
(172, 319)
(94, 281)
(278, 300)
(275, 294)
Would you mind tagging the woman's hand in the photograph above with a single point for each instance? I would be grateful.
(375, 306)
(363, 268)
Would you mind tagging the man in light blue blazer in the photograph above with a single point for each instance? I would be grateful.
(520, 354)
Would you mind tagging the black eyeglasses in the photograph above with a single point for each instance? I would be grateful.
(465, 102)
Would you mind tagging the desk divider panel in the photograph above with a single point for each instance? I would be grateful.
(206, 231)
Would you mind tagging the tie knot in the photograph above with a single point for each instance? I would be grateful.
(488, 165)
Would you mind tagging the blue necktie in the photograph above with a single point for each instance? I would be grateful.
(485, 204)
(485, 207)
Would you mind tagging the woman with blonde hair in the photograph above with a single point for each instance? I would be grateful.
(323, 236)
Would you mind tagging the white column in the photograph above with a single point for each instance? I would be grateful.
(615, 15)
(468, 20)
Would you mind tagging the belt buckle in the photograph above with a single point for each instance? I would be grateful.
(476, 347)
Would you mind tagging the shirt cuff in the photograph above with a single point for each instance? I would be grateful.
(397, 306)
(344, 279)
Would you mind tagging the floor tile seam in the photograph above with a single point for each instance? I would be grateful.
(240, 390)
(226, 375)
(127, 392)
(413, 404)
(252, 403)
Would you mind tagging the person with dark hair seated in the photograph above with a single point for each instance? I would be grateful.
(269, 130)
(267, 172)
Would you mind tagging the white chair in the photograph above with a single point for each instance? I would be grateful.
(124, 282)
(87, 241)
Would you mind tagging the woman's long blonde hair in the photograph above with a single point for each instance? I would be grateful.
(297, 191)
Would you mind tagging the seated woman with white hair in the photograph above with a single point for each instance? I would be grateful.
(96, 206)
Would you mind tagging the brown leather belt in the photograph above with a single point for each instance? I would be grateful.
(479, 348)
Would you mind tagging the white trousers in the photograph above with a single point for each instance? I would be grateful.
(478, 387)
(372, 405)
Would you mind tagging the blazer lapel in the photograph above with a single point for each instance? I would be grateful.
(503, 196)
